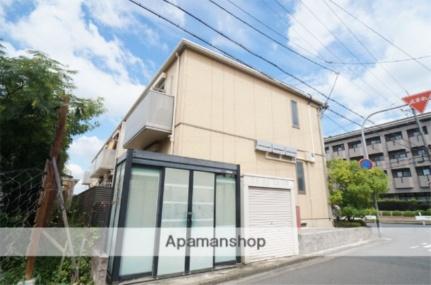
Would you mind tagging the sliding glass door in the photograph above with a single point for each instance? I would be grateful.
(202, 220)
(173, 221)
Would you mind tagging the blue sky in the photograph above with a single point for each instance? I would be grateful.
(116, 47)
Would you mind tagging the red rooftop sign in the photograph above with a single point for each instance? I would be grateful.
(418, 101)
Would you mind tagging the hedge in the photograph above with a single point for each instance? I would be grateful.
(405, 213)
(403, 205)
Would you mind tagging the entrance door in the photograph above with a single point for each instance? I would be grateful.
(173, 221)
(202, 220)
(188, 213)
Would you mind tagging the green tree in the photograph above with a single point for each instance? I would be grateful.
(352, 188)
(32, 87)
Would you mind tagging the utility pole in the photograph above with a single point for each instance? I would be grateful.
(47, 196)
(364, 147)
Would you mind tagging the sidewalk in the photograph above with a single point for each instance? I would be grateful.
(242, 270)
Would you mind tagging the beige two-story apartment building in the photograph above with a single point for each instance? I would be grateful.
(254, 142)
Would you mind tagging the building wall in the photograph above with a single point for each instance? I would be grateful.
(221, 112)
(408, 190)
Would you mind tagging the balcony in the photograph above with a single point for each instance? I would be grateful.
(86, 179)
(416, 140)
(375, 148)
(420, 160)
(355, 152)
(400, 162)
(396, 145)
(403, 182)
(103, 162)
(424, 181)
(150, 121)
(381, 164)
(341, 154)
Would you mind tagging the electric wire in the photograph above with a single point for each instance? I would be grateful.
(380, 35)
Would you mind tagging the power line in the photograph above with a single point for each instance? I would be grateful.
(268, 37)
(267, 26)
(380, 35)
(335, 123)
(388, 87)
(378, 62)
(364, 46)
(231, 56)
(258, 56)
(304, 27)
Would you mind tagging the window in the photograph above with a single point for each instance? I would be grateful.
(379, 157)
(295, 115)
(394, 137)
(338, 147)
(354, 145)
(399, 173)
(415, 132)
(424, 171)
(373, 141)
(300, 177)
(326, 149)
(398, 155)
(419, 151)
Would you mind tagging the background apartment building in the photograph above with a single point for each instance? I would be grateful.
(397, 148)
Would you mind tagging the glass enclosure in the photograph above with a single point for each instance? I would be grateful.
(171, 196)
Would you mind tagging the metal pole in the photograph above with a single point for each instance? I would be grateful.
(364, 146)
(421, 131)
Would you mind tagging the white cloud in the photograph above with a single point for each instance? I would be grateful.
(60, 29)
(77, 172)
(85, 146)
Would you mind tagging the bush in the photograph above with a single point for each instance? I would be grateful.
(403, 205)
(409, 213)
(427, 212)
(397, 213)
(386, 213)
(349, 224)
(370, 211)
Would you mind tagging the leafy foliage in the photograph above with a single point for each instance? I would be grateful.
(32, 88)
(352, 188)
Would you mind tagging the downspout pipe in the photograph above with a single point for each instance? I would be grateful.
(172, 136)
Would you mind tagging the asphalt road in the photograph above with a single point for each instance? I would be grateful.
(403, 256)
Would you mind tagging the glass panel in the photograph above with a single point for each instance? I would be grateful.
(225, 216)
(141, 213)
(174, 221)
(115, 207)
(295, 116)
(202, 219)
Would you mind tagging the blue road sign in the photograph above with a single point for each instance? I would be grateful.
(366, 163)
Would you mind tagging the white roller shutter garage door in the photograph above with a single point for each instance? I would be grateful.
(270, 215)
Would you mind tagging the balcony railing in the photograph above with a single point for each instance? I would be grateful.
(86, 178)
(416, 140)
(403, 182)
(381, 164)
(356, 151)
(424, 181)
(375, 148)
(150, 121)
(395, 145)
(103, 163)
(341, 154)
(400, 162)
(420, 159)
